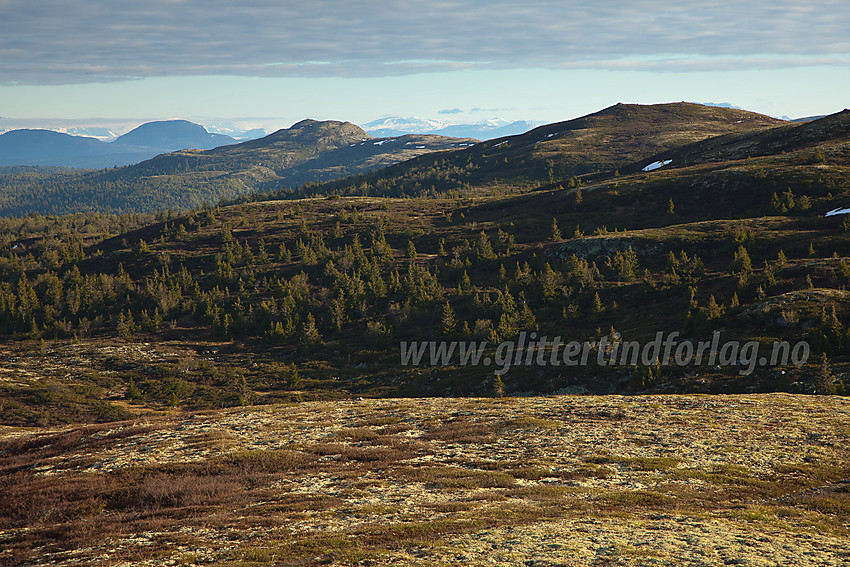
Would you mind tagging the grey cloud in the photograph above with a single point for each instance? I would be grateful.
(56, 41)
(450, 111)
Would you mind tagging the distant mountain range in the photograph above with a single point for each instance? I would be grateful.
(100, 147)
(310, 151)
(486, 130)
(623, 139)
(49, 148)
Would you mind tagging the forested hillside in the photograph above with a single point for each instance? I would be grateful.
(308, 152)
(276, 300)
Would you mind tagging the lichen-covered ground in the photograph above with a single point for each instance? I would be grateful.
(538, 481)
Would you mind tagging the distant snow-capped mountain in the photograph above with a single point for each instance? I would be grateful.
(240, 134)
(483, 130)
(100, 133)
(404, 125)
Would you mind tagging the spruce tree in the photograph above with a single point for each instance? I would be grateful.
(447, 320)
(555, 233)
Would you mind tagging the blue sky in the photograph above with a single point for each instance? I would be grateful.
(271, 63)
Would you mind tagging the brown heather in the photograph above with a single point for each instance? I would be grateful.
(560, 480)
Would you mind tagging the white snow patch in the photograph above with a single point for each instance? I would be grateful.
(380, 143)
(656, 164)
(550, 135)
(836, 212)
(500, 144)
(420, 147)
(409, 124)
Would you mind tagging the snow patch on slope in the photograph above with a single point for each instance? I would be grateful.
(656, 164)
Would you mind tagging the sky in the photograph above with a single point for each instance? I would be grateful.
(271, 63)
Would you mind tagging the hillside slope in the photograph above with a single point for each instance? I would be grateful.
(600, 142)
(48, 148)
(309, 151)
(827, 136)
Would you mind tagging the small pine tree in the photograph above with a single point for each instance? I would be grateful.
(734, 303)
(447, 320)
(693, 303)
(713, 310)
(824, 382)
(125, 326)
(283, 254)
(597, 303)
(769, 276)
(741, 263)
(311, 333)
(776, 205)
(555, 233)
(411, 249)
(843, 269)
(293, 379)
(465, 284)
(499, 387)
(671, 208)
(133, 392)
(788, 197)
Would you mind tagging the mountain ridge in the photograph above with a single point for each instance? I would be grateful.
(613, 137)
(50, 148)
(171, 133)
(191, 178)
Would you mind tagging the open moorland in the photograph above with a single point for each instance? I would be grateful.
(559, 480)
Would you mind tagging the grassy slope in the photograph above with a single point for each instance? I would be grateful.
(603, 141)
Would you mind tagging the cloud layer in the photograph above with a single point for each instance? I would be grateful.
(72, 41)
